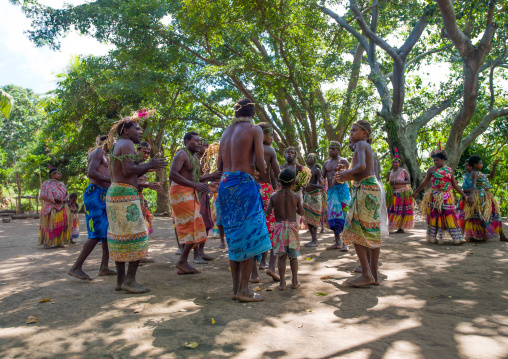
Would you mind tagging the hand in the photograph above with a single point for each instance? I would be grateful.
(202, 187)
(414, 195)
(342, 176)
(58, 201)
(309, 188)
(217, 175)
(469, 199)
(157, 163)
(157, 186)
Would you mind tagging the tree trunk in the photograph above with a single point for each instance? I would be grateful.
(18, 202)
(163, 196)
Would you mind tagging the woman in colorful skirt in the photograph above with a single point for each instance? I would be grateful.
(400, 212)
(466, 187)
(438, 203)
(482, 216)
(56, 219)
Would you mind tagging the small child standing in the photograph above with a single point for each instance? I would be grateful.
(74, 207)
(286, 241)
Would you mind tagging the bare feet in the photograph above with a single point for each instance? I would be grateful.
(282, 285)
(254, 280)
(78, 273)
(222, 246)
(344, 248)
(334, 246)
(502, 237)
(312, 244)
(400, 231)
(234, 297)
(295, 283)
(107, 271)
(263, 265)
(206, 257)
(186, 269)
(147, 260)
(134, 288)
(272, 274)
(249, 297)
(199, 260)
(361, 281)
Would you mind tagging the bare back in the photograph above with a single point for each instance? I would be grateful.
(286, 204)
(271, 165)
(241, 145)
(364, 153)
(98, 168)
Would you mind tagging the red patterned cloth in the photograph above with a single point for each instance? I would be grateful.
(266, 192)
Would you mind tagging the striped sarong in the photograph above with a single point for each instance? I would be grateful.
(312, 207)
(190, 227)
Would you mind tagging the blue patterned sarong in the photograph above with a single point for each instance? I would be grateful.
(243, 218)
(95, 212)
(337, 200)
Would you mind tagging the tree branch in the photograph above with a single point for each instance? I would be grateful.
(428, 115)
(491, 88)
(413, 37)
(482, 126)
(459, 39)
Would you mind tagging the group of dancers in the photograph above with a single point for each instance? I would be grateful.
(257, 204)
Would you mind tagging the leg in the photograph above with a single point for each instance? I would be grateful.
(197, 256)
(366, 278)
(130, 285)
(222, 241)
(263, 264)
(202, 253)
(104, 270)
(271, 267)
(293, 263)
(313, 234)
(282, 271)
(502, 236)
(76, 270)
(245, 294)
(374, 263)
(235, 273)
(338, 243)
(120, 277)
(182, 265)
(179, 251)
(254, 277)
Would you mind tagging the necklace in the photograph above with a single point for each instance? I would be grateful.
(242, 119)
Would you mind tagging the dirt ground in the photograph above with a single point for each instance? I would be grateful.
(435, 302)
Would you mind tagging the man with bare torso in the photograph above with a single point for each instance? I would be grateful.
(127, 232)
(240, 204)
(338, 196)
(265, 182)
(363, 222)
(187, 181)
(95, 209)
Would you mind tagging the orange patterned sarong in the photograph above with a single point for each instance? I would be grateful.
(190, 227)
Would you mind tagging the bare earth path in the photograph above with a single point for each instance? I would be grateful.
(435, 302)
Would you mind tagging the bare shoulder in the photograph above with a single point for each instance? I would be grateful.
(343, 161)
(431, 169)
(295, 195)
(270, 150)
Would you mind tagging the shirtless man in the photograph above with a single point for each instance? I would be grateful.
(265, 180)
(127, 232)
(338, 195)
(95, 210)
(312, 200)
(240, 203)
(185, 174)
(363, 220)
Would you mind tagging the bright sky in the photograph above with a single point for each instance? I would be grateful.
(28, 66)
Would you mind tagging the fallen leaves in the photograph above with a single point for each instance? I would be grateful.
(191, 345)
(257, 289)
(321, 294)
(213, 321)
(32, 319)
(139, 310)
(470, 252)
(325, 277)
(308, 310)
(308, 258)
(44, 300)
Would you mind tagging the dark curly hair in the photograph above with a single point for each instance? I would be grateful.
(439, 154)
(287, 176)
(73, 195)
(474, 159)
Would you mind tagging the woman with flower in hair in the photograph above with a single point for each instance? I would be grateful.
(56, 219)
(482, 217)
(438, 203)
(400, 212)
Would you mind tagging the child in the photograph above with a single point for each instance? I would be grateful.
(286, 242)
(363, 220)
(74, 207)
